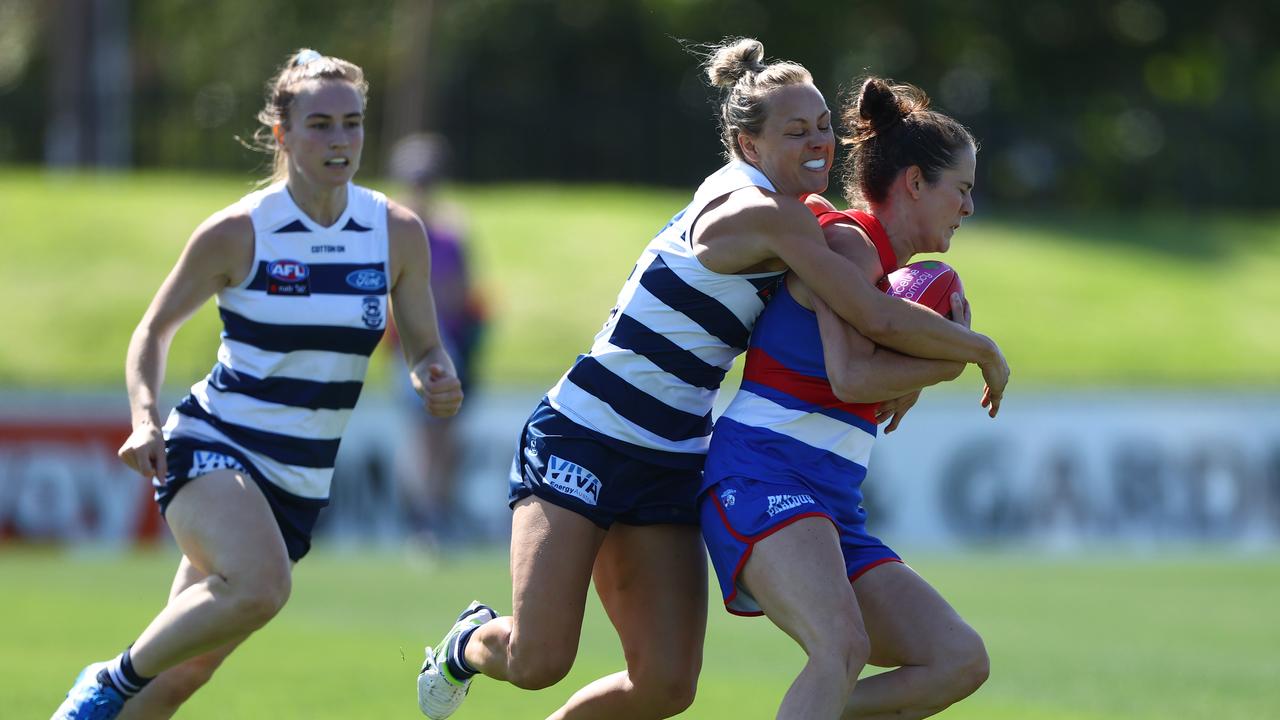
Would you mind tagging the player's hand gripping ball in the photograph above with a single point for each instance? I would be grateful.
(929, 283)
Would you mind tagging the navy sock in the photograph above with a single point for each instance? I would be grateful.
(456, 658)
(119, 674)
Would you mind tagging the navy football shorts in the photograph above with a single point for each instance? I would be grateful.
(602, 479)
(189, 458)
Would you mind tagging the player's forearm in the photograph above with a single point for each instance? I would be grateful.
(144, 373)
(888, 321)
(915, 330)
(887, 375)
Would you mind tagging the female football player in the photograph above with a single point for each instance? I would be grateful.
(607, 469)
(781, 503)
(303, 272)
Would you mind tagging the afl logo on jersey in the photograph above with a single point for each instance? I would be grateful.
(288, 270)
(288, 277)
(367, 280)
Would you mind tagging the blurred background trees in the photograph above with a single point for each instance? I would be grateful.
(1096, 104)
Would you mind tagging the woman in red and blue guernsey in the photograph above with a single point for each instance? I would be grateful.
(781, 502)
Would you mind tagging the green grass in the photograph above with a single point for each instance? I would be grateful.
(1115, 639)
(1116, 300)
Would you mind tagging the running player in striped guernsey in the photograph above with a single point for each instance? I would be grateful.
(607, 469)
(303, 271)
(781, 505)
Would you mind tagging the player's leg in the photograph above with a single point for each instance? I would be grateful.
(224, 526)
(797, 575)
(652, 580)
(163, 696)
(552, 552)
(938, 658)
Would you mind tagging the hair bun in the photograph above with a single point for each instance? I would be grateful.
(735, 59)
(881, 105)
(878, 105)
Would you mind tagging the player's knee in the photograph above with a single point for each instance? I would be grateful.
(673, 696)
(840, 645)
(537, 670)
(967, 667)
(668, 687)
(257, 603)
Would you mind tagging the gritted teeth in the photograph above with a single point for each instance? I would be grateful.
(337, 161)
(816, 164)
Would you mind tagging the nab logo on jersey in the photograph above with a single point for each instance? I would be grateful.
(288, 277)
(573, 480)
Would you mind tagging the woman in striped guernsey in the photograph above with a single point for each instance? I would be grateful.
(781, 503)
(607, 469)
(303, 271)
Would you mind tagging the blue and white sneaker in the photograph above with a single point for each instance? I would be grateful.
(89, 700)
(439, 693)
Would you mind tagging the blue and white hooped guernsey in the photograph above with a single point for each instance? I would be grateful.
(655, 368)
(296, 341)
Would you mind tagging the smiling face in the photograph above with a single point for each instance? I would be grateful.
(796, 146)
(325, 132)
(944, 203)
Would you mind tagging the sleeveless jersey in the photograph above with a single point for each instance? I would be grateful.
(298, 332)
(654, 370)
(785, 421)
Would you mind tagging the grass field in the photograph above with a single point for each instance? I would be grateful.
(1118, 299)
(1116, 639)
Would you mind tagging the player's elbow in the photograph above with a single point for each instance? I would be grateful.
(951, 370)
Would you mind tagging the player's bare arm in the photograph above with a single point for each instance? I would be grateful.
(859, 370)
(219, 253)
(413, 307)
(892, 322)
(862, 372)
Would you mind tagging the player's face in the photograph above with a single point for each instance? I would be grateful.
(947, 202)
(326, 132)
(796, 146)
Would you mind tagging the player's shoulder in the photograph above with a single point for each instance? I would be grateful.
(401, 219)
(230, 225)
(403, 225)
(763, 210)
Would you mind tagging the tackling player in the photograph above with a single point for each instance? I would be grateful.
(606, 473)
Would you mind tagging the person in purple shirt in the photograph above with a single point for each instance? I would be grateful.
(419, 162)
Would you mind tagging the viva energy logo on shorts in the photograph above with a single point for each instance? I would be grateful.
(572, 479)
(206, 461)
(780, 503)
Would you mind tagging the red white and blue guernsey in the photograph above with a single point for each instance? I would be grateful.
(298, 333)
(787, 448)
(655, 368)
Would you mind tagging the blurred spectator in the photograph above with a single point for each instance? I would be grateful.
(430, 483)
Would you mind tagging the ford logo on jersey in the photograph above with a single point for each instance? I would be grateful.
(288, 270)
(367, 280)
